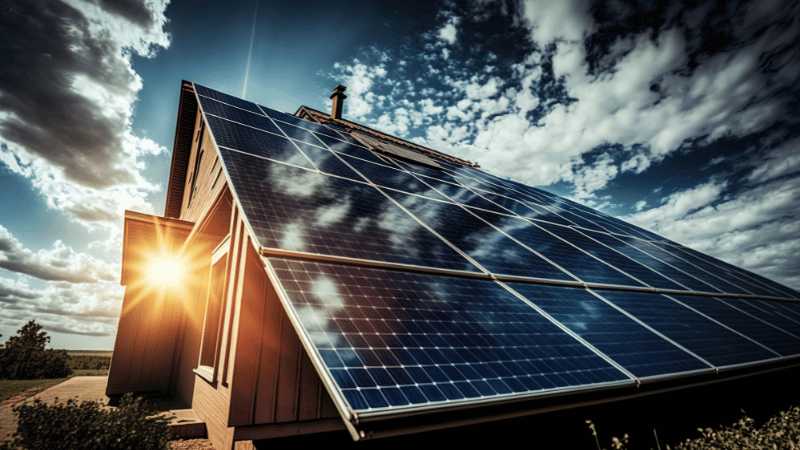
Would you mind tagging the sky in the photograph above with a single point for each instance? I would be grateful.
(679, 117)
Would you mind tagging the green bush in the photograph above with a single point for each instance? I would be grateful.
(89, 425)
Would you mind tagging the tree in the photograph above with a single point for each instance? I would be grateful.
(24, 356)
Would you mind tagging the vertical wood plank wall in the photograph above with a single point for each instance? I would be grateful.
(150, 318)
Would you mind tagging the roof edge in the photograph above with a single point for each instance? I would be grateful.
(320, 117)
(181, 148)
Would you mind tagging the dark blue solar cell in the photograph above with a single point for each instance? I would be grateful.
(298, 122)
(716, 344)
(299, 210)
(611, 257)
(256, 142)
(225, 98)
(351, 150)
(634, 347)
(715, 276)
(327, 161)
(512, 341)
(750, 281)
(758, 330)
(237, 115)
(619, 243)
(393, 178)
(572, 259)
(674, 261)
(469, 198)
(766, 312)
(485, 244)
(300, 134)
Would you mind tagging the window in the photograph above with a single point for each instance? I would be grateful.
(213, 317)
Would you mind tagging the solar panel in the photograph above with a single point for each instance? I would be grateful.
(395, 339)
(710, 340)
(636, 348)
(619, 243)
(299, 210)
(612, 258)
(492, 249)
(761, 331)
(452, 286)
(575, 261)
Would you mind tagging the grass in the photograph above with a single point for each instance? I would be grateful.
(83, 363)
(13, 388)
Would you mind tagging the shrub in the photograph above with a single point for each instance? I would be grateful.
(780, 432)
(89, 425)
(24, 356)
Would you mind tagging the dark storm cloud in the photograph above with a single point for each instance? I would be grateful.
(134, 11)
(54, 67)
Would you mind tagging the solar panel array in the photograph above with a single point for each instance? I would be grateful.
(416, 288)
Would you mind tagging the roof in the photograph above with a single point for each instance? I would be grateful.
(419, 290)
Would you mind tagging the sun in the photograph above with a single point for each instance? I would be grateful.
(166, 271)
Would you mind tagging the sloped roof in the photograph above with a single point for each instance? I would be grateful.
(418, 290)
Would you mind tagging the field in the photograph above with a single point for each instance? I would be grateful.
(82, 362)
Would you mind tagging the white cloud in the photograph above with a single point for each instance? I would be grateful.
(359, 79)
(551, 20)
(57, 263)
(448, 32)
(70, 131)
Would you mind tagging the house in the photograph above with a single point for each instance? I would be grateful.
(311, 274)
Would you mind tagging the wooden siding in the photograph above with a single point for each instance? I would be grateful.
(274, 381)
(200, 192)
(150, 319)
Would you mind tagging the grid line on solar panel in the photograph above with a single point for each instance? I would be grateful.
(480, 240)
(649, 248)
(255, 142)
(770, 287)
(225, 98)
(759, 330)
(758, 310)
(638, 348)
(718, 282)
(613, 258)
(300, 210)
(397, 339)
(705, 337)
(655, 264)
(694, 307)
(582, 265)
(396, 179)
(789, 309)
(238, 115)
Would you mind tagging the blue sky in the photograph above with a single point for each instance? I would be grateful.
(678, 117)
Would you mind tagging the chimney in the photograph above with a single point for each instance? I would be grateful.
(338, 101)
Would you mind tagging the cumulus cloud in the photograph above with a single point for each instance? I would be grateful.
(602, 91)
(359, 79)
(60, 262)
(88, 309)
(448, 32)
(66, 101)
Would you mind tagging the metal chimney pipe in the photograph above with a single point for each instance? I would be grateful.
(338, 101)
